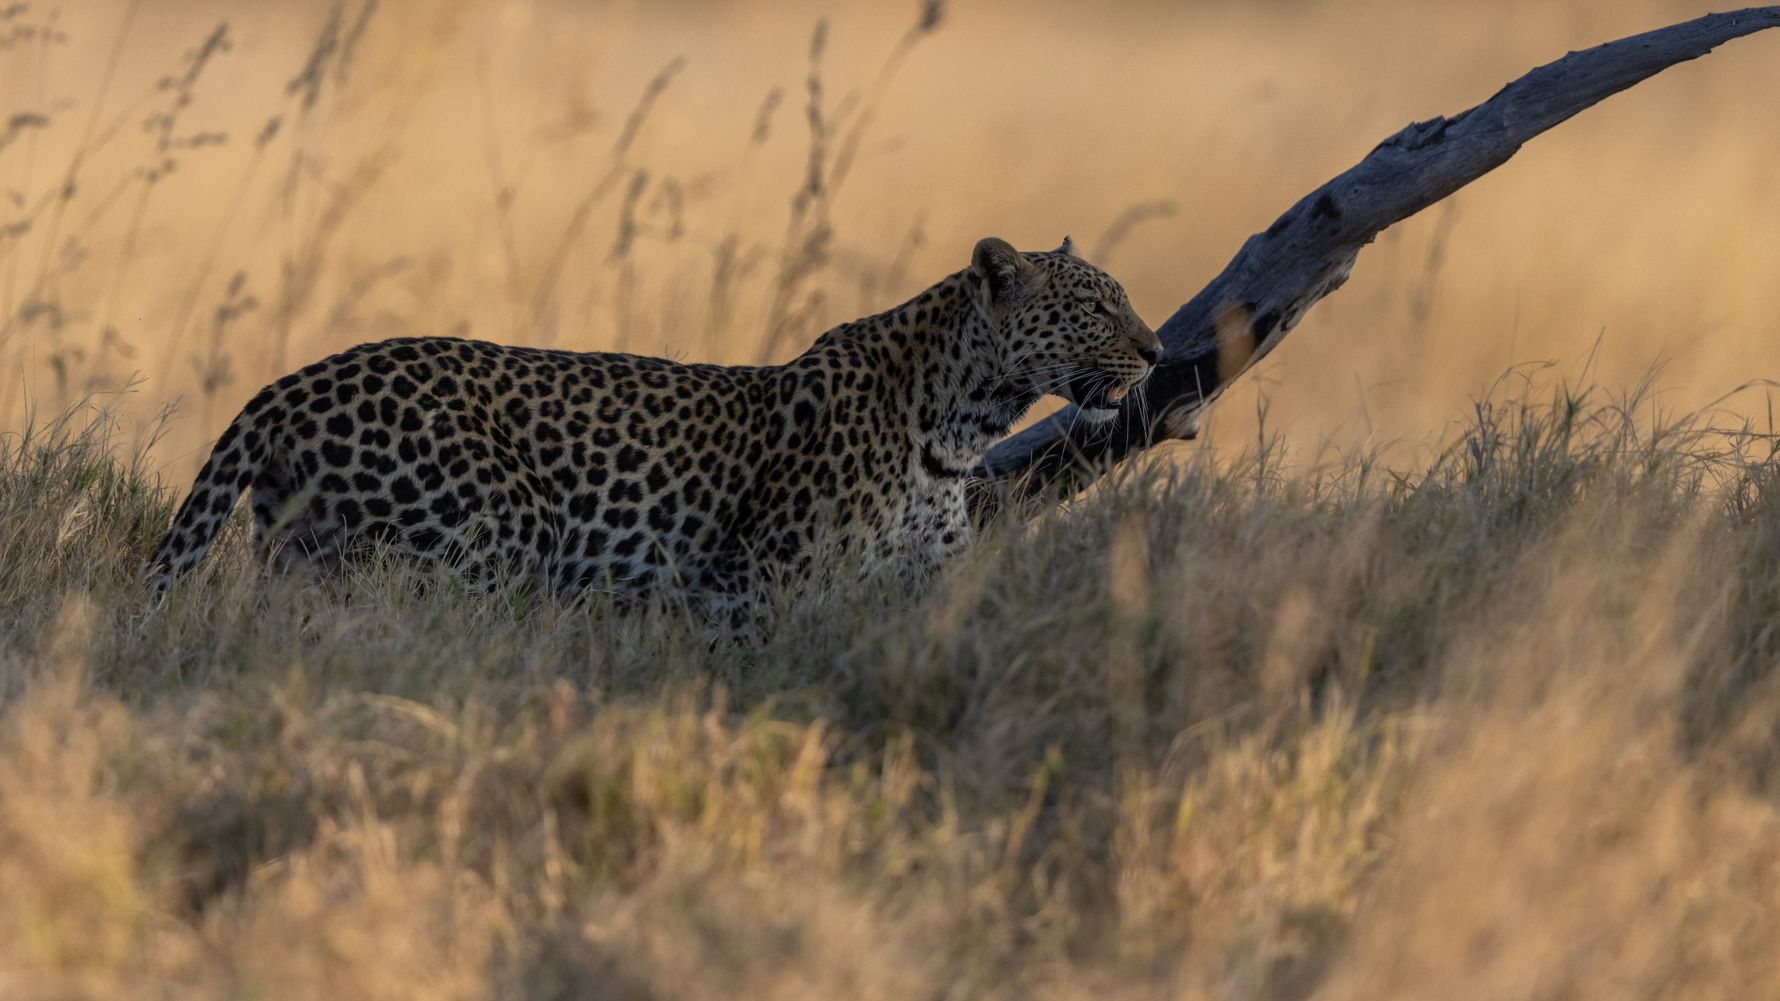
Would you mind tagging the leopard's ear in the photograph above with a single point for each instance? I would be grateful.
(1068, 248)
(1005, 277)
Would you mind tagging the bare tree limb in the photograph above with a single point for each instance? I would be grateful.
(1307, 253)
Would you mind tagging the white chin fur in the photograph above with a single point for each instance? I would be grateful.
(1099, 415)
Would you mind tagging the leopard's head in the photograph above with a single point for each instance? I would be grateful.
(1063, 325)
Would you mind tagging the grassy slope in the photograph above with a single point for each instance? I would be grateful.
(1501, 728)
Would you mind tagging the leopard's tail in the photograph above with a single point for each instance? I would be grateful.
(232, 465)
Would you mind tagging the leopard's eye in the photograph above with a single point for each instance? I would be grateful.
(1089, 304)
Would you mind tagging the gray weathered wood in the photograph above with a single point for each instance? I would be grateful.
(1307, 253)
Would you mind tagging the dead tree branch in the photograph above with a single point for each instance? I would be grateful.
(1307, 253)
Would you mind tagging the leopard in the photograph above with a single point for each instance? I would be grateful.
(568, 470)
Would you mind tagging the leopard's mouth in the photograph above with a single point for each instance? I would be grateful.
(1098, 394)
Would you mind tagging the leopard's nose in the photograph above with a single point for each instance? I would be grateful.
(1144, 341)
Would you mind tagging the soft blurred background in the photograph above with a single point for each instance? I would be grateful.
(1411, 697)
(199, 196)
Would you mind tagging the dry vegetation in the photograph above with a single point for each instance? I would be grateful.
(1490, 714)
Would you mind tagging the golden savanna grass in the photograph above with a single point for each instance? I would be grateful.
(1410, 680)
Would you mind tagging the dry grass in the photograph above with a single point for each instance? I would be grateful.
(1503, 727)
(1490, 715)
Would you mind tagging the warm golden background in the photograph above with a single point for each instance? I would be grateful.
(1502, 724)
(451, 167)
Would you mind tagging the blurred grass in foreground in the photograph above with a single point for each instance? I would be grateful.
(1490, 716)
(1501, 726)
